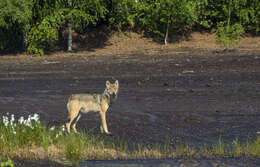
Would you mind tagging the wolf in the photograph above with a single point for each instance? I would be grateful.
(84, 103)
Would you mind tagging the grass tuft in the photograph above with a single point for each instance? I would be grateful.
(218, 150)
(74, 147)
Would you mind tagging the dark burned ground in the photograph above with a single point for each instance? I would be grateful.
(181, 95)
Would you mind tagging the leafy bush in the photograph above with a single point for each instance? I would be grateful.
(8, 163)
(15, 17)
(252, 21)
(87, 12)
(123, 13)
(45, 34)
(164, 16)
(74, 147)
(228, 36)
(81, 13)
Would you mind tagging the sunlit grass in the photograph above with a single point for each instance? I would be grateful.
(31, 139)
(8, 163)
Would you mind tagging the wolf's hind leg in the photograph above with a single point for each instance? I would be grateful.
(73, 113)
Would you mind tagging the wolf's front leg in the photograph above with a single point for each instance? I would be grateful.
(104, 123)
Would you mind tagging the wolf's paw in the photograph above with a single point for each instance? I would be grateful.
(109, 134)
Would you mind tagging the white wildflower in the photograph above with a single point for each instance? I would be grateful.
(5, 120)
(12, 118)
(28, 122)
(29, 118)
(63, 128)
(21, 120)
(52, 128)
(35, 117)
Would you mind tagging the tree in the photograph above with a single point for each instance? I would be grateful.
(176, 13)
(80, 13)
(70, 30)
(123, 13)
(161, 16)
(15, 18)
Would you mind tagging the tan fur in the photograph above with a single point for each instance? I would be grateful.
(84, 103)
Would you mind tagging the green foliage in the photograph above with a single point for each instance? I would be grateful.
(87, 12)
(15, 12)
(45, 19)
(8, 163)
(45, 8)
(148, 16)
(219, 149)
(74, 147)
(45, 34)
(244, 12)
(184, 150)
(54, 15)
(177, 12)
(31, 133)
(253, 148)
(237, 148)
(252, 21)
(48, 17)
(212, 12)
(123, 13)
(15, 17)
(159, 16)
(228, 36)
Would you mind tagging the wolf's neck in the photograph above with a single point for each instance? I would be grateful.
(106, 96)
(105, 93)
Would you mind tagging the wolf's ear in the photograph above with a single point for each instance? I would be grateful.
(107, 83)
(116, 83)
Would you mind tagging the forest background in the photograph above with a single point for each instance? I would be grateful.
(37, 26)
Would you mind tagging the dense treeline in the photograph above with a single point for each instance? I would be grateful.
(35, 25)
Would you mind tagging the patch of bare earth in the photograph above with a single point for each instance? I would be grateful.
(130, 43)
(126, 43)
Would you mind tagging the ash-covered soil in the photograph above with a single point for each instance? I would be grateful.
(186, 96)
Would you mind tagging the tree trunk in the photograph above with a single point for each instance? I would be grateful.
(229, 15)
(25, 39)
(166, 33)
(70, 30)
(70, 37)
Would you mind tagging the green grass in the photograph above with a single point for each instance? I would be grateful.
(31, 139)
(8, 163)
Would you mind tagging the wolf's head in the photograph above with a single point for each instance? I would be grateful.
(112, 89)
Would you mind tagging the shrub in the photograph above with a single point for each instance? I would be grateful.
(75, 144)
(8, 163)
(229, 36)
